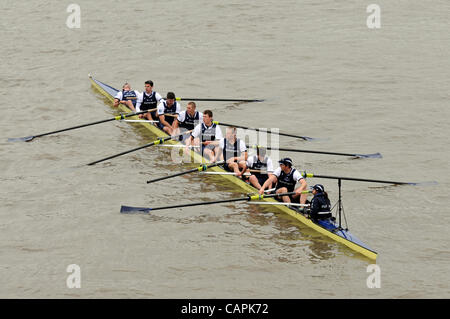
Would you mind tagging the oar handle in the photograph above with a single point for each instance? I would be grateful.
(170, 114)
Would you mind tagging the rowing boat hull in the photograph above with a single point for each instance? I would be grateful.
(326, 228)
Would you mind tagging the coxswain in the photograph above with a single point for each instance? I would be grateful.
(320, 207)
(206, 134)
(148, 100)
(168, 110)
(233, 152)
(259, 162)
(127, 97)
(286, 177)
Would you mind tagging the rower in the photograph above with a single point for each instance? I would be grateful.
(260, 162)
(127, 97)
(320, 204)
(233, 151)
(187, 119)
(167, 110)
(286, 177)
(148, 100)
(208, 135)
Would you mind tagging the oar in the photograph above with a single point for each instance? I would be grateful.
(139, 121)
(232, 173)
(310, 175)
(116, 118)
(280, 203)
(374, 155)
(223, 173)
(160, 140)
(202, 168)
(170, 114)
(130, 209)
(306, 138)
(216, 100)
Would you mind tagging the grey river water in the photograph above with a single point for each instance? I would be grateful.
(322, 73)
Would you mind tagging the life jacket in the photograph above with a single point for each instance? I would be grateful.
(208, 133)
(170, 110)
(148, 101)
(129, 96)
(320, 207)
(258, 165)
(190, 121)
(287, 180)
(231, 150)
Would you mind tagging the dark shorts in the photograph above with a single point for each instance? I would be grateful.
(293, 200)
(261, 178)
(153, 114)
(227, 168)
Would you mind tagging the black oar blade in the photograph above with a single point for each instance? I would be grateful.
(314, 139)
(134, 210)
(374, 155)
(21, 139)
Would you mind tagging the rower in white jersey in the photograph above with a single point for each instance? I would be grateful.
(168, 110)
(259, 162)
(286, 177)
(127, 97)
(206, 134)
(187, 120)
(148, 100)
(233, 151)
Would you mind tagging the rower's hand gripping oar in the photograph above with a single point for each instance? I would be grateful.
(375, 155)
(160, 140)
(201, 168)
(130, 209)
(306, 138)
(116, 118)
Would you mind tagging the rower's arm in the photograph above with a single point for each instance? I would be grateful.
(244, 156)
(302, 186)
(272, 179)
(162, 120)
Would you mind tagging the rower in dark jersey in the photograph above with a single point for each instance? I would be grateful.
(148, 100)
(187, 120)
(233, 151)
(286, 177)
(320, 207)
(259, 162)
(127, 96)
(168, 110)
(207, 135)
